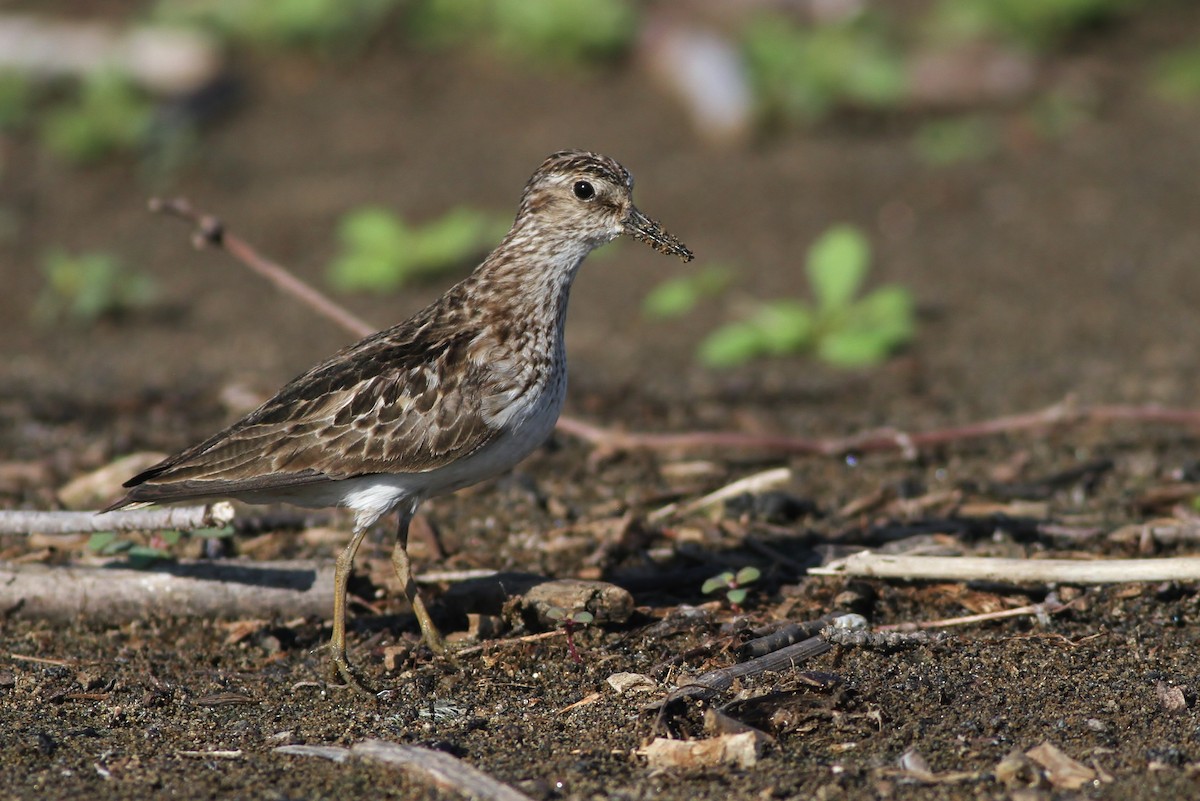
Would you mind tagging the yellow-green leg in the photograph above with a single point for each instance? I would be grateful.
(433, 637)
(341, 580)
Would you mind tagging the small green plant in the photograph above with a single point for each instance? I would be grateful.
(381, 253)
(109, 543)
(83, 288)
(733, 584)
(16, 100)
(676, 297)
(840, 328)
(956, 140)
(549, 31)
(800, 74)
(1175, 76)
(569, 622)
(107, 114)
(1036, 24)
(281, 23)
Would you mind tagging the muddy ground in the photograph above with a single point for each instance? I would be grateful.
(1054, 269)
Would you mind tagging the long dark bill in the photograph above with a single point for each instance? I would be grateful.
(639, 226)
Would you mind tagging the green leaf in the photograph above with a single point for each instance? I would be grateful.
(716, 582)
(837, 263)
(16, 99)
(108, 114)
(556, 613)
(88, 286)
(850, 348)
(677, 296)
(140, 552)
(747, 575)
(99, 541)
(731, 345)
(171, 536)
(673, 298)
(583, 618)
(736, 597)
(953, 141)
(213, 533)
(784, 326)
(1176, 75)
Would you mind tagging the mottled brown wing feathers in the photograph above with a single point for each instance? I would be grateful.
(406, 400)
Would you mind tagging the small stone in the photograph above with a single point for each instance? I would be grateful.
(631, 682)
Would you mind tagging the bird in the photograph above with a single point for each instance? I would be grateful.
(458, 393)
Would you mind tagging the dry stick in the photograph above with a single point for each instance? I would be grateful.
(436, 768)
(983, 617)
(759, 482)
(184, 518)
(1012, 571)
(205, 589)
(211, 232)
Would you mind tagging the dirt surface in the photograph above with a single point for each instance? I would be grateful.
(1055, 269)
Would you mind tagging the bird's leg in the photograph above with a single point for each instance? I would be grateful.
(433, 637)
(341, 579)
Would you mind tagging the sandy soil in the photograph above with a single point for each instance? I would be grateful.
(1052, 270)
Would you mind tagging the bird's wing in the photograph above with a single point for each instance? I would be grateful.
(405, 400)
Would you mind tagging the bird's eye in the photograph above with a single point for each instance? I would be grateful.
(584, 190)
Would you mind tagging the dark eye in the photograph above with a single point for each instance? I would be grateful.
(584, 190)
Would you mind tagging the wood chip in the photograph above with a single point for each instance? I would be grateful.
(631, 683)
(1061, 770)
(740, 750)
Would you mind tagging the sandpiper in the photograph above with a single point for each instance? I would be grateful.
(457, 394)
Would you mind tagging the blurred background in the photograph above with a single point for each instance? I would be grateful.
(905, 213)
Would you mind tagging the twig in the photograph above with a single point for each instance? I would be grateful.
(197, 589)
(211, 232)
(1035, 610)
(435, 768)
(1061, 414)
(755, 483)
(182, 518)
(1012, 571)
(528, 638)
(714, 682)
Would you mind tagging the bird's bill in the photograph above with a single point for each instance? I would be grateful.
(639, 226)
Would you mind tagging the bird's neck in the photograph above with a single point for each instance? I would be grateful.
(531, 275)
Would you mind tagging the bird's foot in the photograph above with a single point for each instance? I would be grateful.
(340, 669)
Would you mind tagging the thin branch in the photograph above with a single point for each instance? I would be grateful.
(182, 518)
(201, 589)
(759, 482)
(211, 232)
(879, 440)
(433, 768)
(1012, 571)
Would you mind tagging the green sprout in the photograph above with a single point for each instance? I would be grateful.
(16, 100)
(86, 287)
(841, 328)
(1176, 75)
(569, 622)
(1036, 24)
(381, 253)
(801, 74)
(281, 23)
(108, 543)
(956, 140)
(678, 296)
(549, 31)
(107, 114)
(734, 585)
